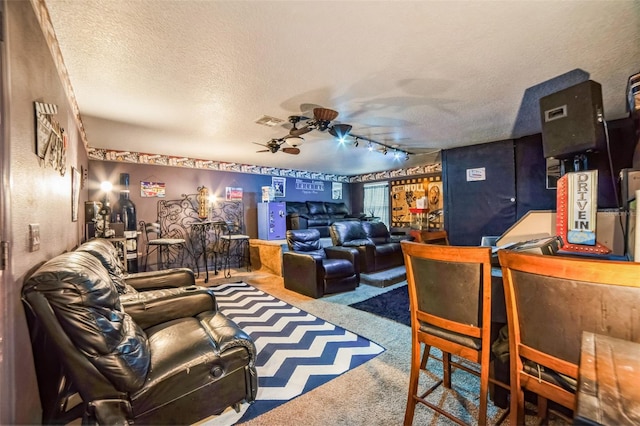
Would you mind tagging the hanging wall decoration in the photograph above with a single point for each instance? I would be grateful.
(420, 192)
(279, 186)
(152, 189)
(51, 140)
(233, 194)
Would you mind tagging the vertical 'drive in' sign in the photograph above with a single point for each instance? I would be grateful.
(582, 203)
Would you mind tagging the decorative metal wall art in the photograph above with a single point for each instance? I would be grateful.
(51, 140)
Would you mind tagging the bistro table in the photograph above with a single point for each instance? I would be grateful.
(208, 232)
(608, 391)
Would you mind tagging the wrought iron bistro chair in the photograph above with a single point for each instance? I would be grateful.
(450, 304)
(551, 301)
(233, 245)
(164, 247)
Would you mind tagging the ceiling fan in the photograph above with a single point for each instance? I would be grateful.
(322, 118)
(275, 145)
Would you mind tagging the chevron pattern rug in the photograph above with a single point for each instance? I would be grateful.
(296, 350)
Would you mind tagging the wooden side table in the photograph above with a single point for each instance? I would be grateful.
(608, 392)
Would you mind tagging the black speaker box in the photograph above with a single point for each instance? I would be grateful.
(572, 121)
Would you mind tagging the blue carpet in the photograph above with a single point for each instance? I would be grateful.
(296, 350)
(393, 304)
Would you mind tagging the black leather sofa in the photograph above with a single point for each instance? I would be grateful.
(130, 353)
(377, 248)
(317, 215)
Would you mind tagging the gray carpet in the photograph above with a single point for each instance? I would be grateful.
(374, 393)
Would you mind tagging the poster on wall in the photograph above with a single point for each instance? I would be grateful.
(279, 185)
(152, 189)
(233, 194)
(420, 192)
(336, 190)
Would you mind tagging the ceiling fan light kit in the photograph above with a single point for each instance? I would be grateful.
(321, 121)
(294, 141)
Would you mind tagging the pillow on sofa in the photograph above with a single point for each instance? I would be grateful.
(316, 207)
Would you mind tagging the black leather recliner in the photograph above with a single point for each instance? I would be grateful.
(377, 249)
(175, 359)
(314, 271)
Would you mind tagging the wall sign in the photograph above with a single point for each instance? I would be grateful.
(476, 174)
(407, 193)
(152, 189)
(279, 185)
(310, 187)
(583, 195)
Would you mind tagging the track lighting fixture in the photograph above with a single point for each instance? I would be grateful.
(370, 146)
(355, 143)
(384, 151)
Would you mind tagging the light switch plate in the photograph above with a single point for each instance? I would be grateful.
(34, 237)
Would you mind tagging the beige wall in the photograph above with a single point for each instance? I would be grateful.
(37, 195)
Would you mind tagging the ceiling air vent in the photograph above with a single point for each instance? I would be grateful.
(267, 120)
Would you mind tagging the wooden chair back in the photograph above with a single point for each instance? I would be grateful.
(450, 302)
(550, 301)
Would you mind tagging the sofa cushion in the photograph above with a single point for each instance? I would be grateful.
(299, 207)
(358, 242)
(88, 307)
(337, 209)
(107, 254)
(318, 220)
(306, 241)
(377, 231)
(316, 207)
(345, 231)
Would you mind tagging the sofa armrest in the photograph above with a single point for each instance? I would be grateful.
(227, 334)
(398, 238)
(176, 277)
(300, 273)
(298, 221)
(341, 252)
(148, 308)
(347, 253)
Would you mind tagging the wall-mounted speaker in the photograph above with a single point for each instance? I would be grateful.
(572, 121)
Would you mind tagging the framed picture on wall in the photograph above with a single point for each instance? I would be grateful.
(279, 185)
(336, 190)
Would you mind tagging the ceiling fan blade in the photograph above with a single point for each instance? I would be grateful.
(261, 144)
(264, 150)
(294, 151)
(324, 114)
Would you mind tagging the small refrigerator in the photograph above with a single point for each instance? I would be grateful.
(272, 223)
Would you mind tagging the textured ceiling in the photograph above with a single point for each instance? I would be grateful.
(190, 78)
